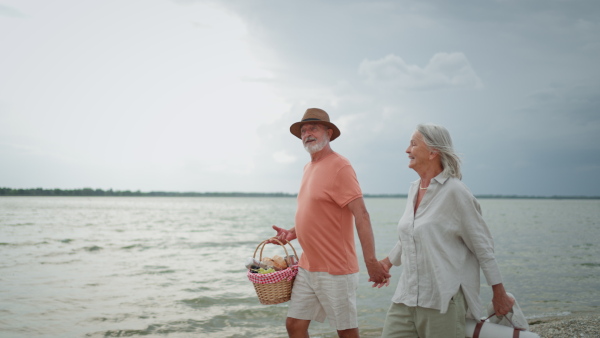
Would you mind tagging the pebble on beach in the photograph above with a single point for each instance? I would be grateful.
(578, 325)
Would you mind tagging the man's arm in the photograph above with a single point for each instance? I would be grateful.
(367, 241)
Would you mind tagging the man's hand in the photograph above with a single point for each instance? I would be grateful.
(284, 235)
(385, 265)
(378, 274)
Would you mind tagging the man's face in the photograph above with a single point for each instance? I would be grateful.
(315, 137)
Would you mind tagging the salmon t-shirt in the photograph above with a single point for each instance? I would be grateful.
(324, 223)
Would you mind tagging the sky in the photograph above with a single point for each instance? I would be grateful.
(184, 95)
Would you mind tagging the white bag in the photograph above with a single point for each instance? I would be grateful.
(515, 316)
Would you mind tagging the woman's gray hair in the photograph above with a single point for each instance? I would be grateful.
(438, 138)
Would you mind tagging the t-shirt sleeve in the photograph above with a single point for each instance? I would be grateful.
(345, 187)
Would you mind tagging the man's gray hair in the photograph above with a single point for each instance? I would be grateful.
(438, 138)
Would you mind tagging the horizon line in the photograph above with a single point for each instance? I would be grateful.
(88, 192)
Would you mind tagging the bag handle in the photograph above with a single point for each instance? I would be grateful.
(266, 241)
(478, 326)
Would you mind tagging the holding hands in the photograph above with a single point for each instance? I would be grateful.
(385, 265)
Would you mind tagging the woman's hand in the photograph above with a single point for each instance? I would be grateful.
(501, 301)
(385, 265)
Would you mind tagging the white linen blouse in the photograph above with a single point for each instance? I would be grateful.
(442, 248)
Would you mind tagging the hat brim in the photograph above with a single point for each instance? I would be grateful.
(295, 128)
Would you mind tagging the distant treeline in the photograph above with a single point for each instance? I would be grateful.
(110, 192)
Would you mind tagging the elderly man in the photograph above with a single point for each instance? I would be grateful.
(329, 204)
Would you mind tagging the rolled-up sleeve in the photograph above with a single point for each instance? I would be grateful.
(478, 238)
(395, 254)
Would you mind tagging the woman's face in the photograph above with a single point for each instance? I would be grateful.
(418, 152)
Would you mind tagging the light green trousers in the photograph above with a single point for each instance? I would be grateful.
(411, 322)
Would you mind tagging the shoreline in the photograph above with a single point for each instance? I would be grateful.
(579, 324)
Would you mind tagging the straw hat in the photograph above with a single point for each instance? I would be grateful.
(315, 115)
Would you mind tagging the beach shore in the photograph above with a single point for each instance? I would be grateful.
(580, 325)
(586, 324)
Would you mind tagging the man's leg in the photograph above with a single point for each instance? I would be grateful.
(297, 328)
(337, 294)
(350, 333)
(304, 306)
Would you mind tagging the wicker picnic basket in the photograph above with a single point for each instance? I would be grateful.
(275, 287)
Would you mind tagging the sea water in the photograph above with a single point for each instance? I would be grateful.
(174, 266)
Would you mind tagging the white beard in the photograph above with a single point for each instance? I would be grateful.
(315, 147)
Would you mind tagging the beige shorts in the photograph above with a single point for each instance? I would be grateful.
(319, 295)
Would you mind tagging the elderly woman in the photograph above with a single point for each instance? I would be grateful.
(443, 242)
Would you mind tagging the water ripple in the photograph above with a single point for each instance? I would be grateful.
(119, 267)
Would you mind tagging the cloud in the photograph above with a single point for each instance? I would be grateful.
(283, 156)
(444, 70)
(563, 117)
(10, 12)
(201, 99)
(589, 33)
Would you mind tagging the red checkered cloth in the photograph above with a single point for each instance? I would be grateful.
(273, 277)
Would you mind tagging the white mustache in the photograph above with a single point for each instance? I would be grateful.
(310, 138)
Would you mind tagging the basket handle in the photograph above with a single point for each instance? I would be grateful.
(265, 242)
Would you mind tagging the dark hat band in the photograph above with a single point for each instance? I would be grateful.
(315, 115)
